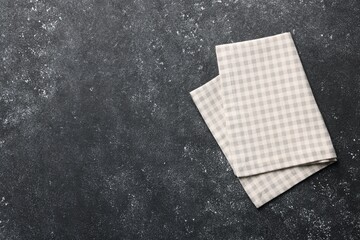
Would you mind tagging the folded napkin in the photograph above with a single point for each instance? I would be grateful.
(262, 113)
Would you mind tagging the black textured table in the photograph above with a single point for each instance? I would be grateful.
(100, 139)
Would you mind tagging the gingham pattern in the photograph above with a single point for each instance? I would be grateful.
(264, 117)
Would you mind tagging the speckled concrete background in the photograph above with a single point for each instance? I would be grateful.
(100, 139)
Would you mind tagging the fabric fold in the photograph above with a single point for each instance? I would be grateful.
(263, 115)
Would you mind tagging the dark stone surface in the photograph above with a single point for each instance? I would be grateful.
(100, 139)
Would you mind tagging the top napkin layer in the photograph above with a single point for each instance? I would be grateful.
(262, 113)
(272, 119)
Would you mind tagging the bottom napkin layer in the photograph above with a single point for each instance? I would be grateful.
(266, 186)
(261, 188)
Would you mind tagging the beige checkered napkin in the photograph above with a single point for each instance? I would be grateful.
(262, 113)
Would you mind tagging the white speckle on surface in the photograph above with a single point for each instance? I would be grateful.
(323, 5)
(50, 27)
(19, 114)
(2, 202)
(91, 89)
(334, 116)
(43, 93)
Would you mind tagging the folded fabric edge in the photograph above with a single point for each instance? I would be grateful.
(317, 162)
(270, 168)
(259, 200)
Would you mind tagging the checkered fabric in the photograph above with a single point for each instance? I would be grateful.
(261, 111)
